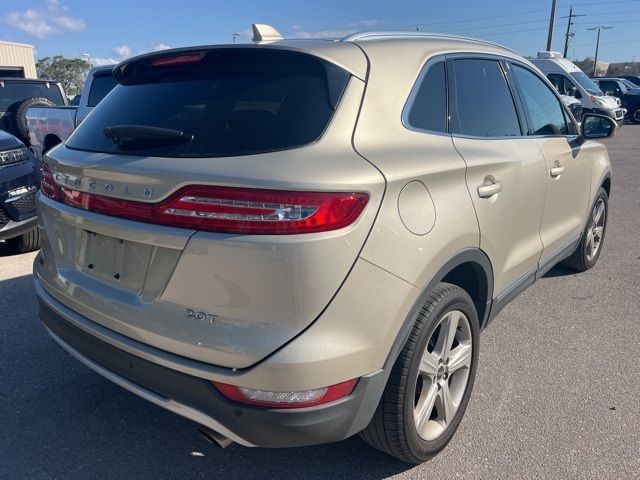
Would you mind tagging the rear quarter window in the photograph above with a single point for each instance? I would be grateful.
(229, 102)
(429, 109)
(12, 93)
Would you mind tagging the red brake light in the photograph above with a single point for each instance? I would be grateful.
(48, 185)
(176, 60)
(242, 210)
(300, 399)
(231, 210)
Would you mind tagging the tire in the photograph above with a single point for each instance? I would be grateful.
(635, 116)
(584, 258)
(20, 117)
(394, 428)
(27, 242)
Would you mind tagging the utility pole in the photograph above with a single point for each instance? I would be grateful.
(552, 21)
(569, 33)
(595, 60)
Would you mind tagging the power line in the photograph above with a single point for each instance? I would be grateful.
(569, 33)
(595, 60)
(612, 22)
(584, 4)
(500, 25)
(482, 18)
(608, 14)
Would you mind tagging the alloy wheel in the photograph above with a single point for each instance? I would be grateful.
(443, 375)
(595, 232)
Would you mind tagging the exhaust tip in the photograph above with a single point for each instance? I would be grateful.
(215, 438)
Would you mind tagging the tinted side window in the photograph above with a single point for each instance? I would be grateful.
(609, 87)
(481, 104)
(429, 109)
(101, 85)
(13, 93)
(544, 111)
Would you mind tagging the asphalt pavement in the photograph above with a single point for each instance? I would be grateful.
(557, 393)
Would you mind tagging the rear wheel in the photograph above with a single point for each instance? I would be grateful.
(635, 116)
(431, 382)
(590, 246)
(27, 242)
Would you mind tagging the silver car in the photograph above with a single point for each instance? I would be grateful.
(294, 241)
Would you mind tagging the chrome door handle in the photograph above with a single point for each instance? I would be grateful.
(489, 188)
(556, 170)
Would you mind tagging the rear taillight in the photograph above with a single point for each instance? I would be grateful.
(48, 185)
(231, 210)
(260, 211)
(298, 399)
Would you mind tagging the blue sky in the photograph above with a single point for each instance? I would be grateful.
(111, 31)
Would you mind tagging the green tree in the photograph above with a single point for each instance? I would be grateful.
(70, 72)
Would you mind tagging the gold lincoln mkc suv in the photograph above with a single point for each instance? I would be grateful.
(293, 241)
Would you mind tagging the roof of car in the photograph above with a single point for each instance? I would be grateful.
(25, 80)
(101, 68)
(397, 35)
(347, 52)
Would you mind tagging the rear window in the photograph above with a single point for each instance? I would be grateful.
(101, 85)
(225, 102)
(13, 93)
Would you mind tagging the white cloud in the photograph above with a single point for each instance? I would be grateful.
(156, 47)
(97, 61)
(366, 23)
(47, 20)
(122, 51)
(324, 34)
(371, 23)
(297, 27)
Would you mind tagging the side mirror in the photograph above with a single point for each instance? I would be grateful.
(572, 91)
(597, 126)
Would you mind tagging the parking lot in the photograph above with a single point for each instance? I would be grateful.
(557, 393)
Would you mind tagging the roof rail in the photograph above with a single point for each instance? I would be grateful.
(399, 34)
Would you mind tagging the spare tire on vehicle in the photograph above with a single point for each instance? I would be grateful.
(20, 116)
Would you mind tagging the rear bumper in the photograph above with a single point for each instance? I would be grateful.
(195, 398)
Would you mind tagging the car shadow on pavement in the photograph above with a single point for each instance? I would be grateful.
(66, 421)
(5, 251)
(559, 271)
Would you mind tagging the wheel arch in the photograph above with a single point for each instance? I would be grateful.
(469, 269)
(606, 184)
(50, 141)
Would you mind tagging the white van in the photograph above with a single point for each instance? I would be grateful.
(570, 80)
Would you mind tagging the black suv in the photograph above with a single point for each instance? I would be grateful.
(19, 180)
(635, 79)
(630, 98)
(17, 95)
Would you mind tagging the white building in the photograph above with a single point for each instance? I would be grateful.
(17, 60)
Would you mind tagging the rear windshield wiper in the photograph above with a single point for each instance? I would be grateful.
(144, 136)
